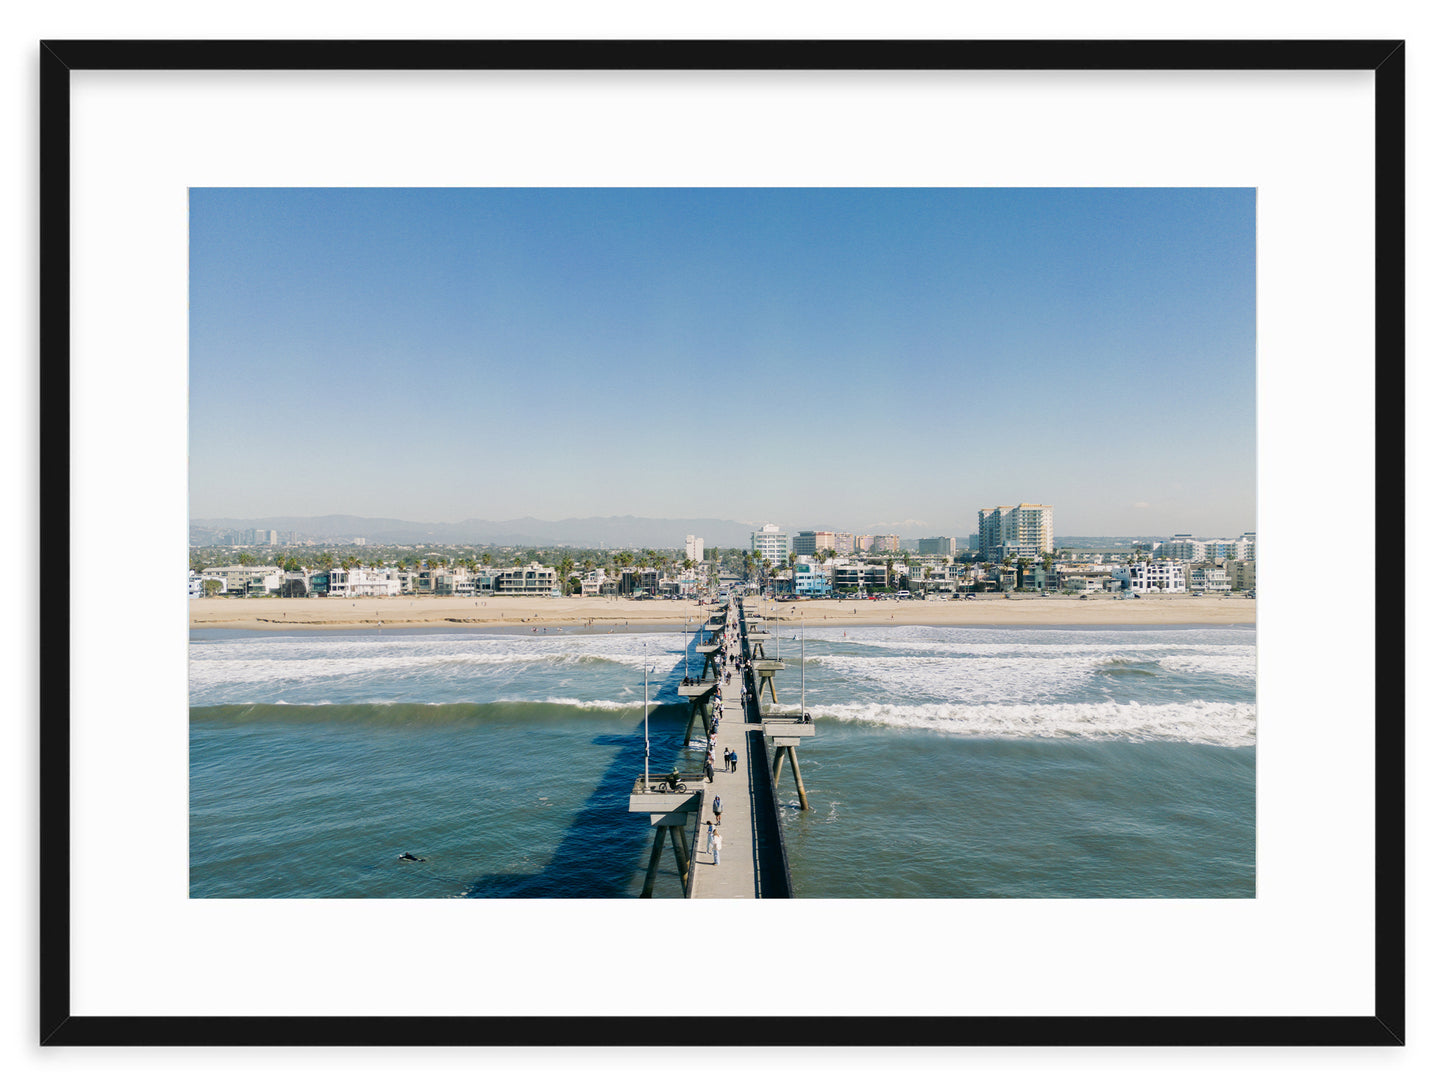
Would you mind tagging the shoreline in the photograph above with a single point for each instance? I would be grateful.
(576, 612)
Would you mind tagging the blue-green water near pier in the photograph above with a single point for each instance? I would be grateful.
(949, 762)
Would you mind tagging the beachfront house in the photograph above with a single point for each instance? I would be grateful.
(530, 580)
(596, 583)
(855, 577)
(641, 582)
(1208, 579)
(931, 580)
(245, 580)
(364, 581)
(810, 578)
(463, 582)
(1147, 577)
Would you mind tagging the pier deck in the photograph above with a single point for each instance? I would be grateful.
(753, 862)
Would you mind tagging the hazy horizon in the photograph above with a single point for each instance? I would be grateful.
(708, 528)
(885, 360)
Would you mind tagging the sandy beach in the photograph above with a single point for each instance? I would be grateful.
(413, 612)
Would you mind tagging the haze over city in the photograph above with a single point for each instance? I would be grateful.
(871, 360)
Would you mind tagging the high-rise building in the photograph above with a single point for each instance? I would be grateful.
(942, 544)
(693, 548)
(1183, 547)
(771, 542)
(810, 543)
(1026, 529)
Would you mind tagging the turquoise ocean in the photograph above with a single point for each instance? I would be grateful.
(958, 762)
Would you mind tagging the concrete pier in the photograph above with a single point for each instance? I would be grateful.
(753, 860)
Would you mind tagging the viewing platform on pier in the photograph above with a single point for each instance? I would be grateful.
(764, 670)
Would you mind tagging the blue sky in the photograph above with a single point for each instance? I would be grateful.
(846, 358)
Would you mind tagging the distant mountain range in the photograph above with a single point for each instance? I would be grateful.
(526, 532)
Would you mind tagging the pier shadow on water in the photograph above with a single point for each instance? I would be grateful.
(603, 852)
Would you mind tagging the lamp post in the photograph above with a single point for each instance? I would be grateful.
(646, 735)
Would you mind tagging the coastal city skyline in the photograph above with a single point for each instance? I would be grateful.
(869, 357)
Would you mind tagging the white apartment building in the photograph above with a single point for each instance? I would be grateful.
(771, 542)
(363, 581)
(1026, 529)
(1181, 548)
(1153, 577)
(693, 548)
(1220, 550)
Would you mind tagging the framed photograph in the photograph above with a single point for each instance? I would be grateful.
(500, 321)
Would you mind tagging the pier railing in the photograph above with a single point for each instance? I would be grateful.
(774, 873)
(656, 784)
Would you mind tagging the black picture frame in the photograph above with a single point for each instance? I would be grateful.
(1385, 59)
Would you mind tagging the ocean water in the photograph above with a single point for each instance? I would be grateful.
(948, 762)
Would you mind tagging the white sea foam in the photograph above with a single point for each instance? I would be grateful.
(1223, 724)
(603, 703)
(1241, 667)
(965, 679)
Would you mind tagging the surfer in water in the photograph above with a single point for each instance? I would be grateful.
(409, 858)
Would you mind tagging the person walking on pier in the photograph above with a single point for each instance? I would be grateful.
(717, 844)
(709, 836)
(733, 760)
(717, 808)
